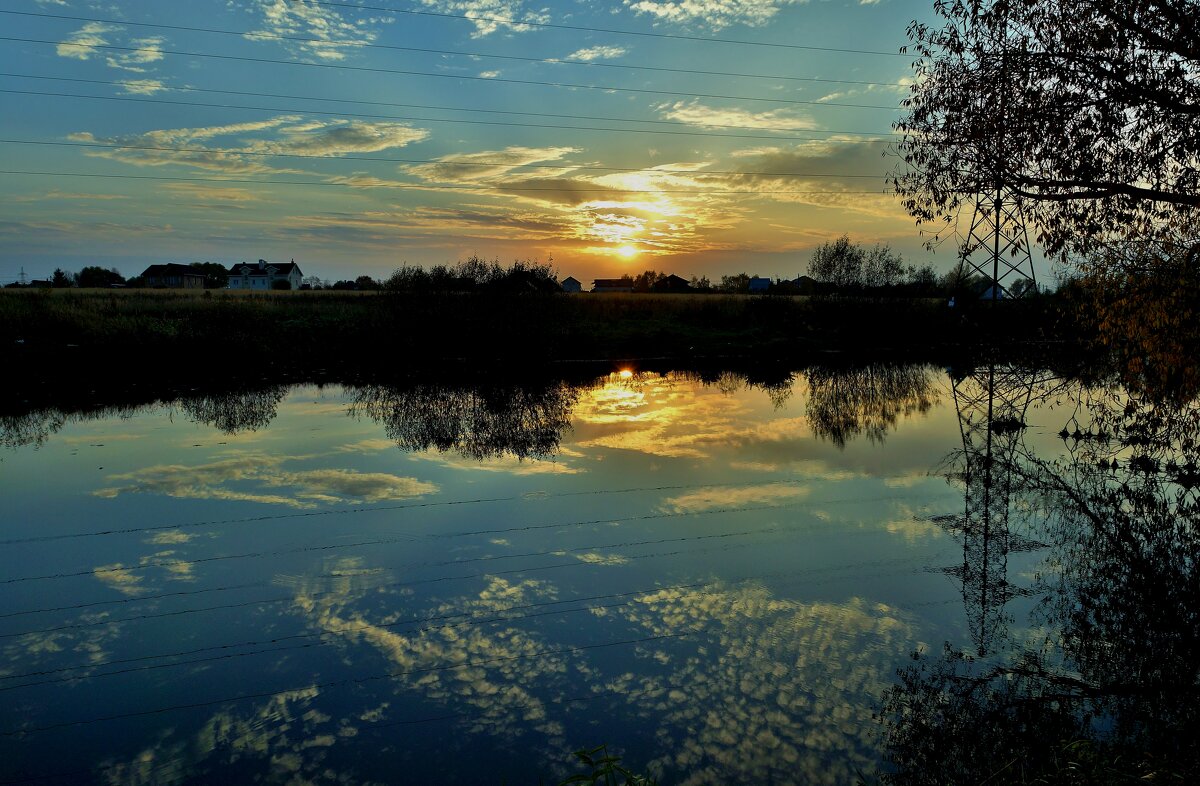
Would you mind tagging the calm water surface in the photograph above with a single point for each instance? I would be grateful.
(438, 584)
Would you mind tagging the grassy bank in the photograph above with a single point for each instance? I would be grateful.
(327, 328)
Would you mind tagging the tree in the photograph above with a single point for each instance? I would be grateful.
(95, 277)
(845, 264)
(216, 276)
(1088, 110)
(739, 283)
(62, 279)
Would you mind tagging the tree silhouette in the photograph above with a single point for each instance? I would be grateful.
(1088, 110)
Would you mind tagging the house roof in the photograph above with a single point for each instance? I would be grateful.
(571, 278)
(171, 269)
(612, 282)
(281, 268)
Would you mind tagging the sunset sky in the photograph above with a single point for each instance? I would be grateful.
(610, 136)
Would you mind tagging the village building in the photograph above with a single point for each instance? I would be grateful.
(612, 285)
(759, 285)
(262, 276)
(173, 275)
(671, 283)
(571, 285)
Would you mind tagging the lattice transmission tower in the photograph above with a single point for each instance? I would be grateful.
(997, 245)
(992, 403)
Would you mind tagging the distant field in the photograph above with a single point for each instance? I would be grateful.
(375, 327)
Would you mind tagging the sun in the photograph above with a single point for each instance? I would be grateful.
(628, 252)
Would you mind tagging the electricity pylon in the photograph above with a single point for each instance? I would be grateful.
(992, 403)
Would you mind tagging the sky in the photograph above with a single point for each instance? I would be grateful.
(354, 136)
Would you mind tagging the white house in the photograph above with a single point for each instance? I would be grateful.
(263, 276)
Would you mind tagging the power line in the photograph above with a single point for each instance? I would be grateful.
(436, 75)
(339, 683)
(421, 187)
(472, 110)
(257, 35)
(402, 539)
(487, 164)
(469, 620)
(453, 121)
(614, 31)
(372, 509)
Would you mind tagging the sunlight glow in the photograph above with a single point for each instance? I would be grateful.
(625, 373)
(628, 252)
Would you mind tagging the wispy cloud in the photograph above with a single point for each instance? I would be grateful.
(244, 153)
(718, 497)
(713, 14)
(146, 51)
(490, 16)
(329, 34)
(143, 87)
(487, 164)
(77, 46)
(598, 53)
(698, 114)
(263, 479)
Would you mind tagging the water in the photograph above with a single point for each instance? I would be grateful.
(722, 581)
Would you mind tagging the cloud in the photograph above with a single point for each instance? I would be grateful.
(488, 15)
(264, 475)
(143, 87)
(698, 114)
(598, 53)
(485, 164)
(77, 45)
(713, 14)
(148, 50)
(247, 150)
(331, 33)
(718, 497)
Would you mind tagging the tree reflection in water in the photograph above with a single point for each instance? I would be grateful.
(477, 422)
(235, 411)
(1108, 691)
(844, 403)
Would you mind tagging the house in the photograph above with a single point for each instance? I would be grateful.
(571, 285)
(173, 275)
(759, 285)
(671, 283)
(612, 285)
(994, 292)
(264, 275)
(805, 285)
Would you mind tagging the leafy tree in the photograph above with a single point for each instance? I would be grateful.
(312, 282)
(366, 283)
(736, 283)
(701, 284)
(216, 276)
(98, 277)
(62, 279)
(1088, 109)
(845, 264)
(281, 284)
(644, 282)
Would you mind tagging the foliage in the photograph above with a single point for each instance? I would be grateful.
(216, 276)
(475, 274)
(281, 284)
(605, 769)
(736, 284)
(94, 277)
(846, 265)
(1142, 306)
(62, 279)
(1088, 109)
